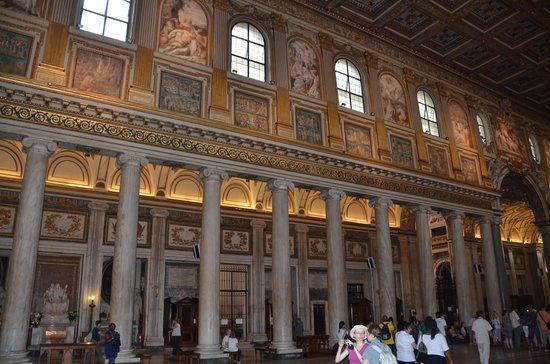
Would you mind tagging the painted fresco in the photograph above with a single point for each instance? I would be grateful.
(401, 151)
(461, 127)
(304, 69)
(438, 160)
(358, 140)
(184, 30)
(99, 73)
(308, 126)
(546, 146)
(508, 139)
(15, 51)
(180, 94)
(251, 112)
(32, 7)
(469, 168)
(394, 103)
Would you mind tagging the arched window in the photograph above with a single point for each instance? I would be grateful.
(482, 127)
(428, 116)
(110, 18)
(348, 82)
(534, 148)
(248, 51)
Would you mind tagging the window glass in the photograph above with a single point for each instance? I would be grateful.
(482, 127)
(428, 116)
(534, 148)
(248, 51)
(348, 83)
(109, 18)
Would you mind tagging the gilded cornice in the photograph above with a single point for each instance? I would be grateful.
(243, 150)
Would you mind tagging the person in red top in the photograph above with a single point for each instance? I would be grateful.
(543, 321)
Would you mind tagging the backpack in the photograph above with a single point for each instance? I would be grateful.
(385, 332)
(386, 356)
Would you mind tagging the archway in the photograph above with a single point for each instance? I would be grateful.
(445, 288)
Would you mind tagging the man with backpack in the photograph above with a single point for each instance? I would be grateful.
(387, 330)
(376, 352)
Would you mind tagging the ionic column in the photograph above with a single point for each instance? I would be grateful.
(513, 276)
(384, 264)
(426, 267)
(499, 260)
(124, 260)
(544, 229)
(209, 272)
(93, 263)
(489, 266)
(258, 285)
(154, 307)
(462, 278)
(282, 305)
(336, 264)
(22, 266)
(303, 278)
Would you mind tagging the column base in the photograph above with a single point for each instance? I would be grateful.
(16, 357)
(258, 338)
(207, 352)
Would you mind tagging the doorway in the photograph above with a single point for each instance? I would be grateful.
(319, 317)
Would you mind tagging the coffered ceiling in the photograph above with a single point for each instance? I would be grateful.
(504, 44)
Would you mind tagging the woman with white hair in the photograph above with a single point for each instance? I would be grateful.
(359, 334)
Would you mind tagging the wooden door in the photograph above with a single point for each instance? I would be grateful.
(187, 313)
(319, 327)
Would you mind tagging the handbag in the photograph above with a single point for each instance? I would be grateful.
(422, 351)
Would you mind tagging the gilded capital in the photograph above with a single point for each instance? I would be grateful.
(280, 184)
(213, 174)
(40, 146)
(332, 194)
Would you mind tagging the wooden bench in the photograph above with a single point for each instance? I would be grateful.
(67, 350)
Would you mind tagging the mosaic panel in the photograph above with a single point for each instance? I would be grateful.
(235, 241)
(183, 236)
(251, 112)
(308, 126)
(15, 51)
(142, 231)
(438, 160)
(358, 140)
(180, 94)
(63, 226)
(401, 151)
(469, 169)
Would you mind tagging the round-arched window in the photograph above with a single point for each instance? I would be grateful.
(428, 116)
(348, 82)
(248, 57)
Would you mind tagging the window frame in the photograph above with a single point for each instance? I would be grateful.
(248, 41)
(349, 93)
(421, 114)
(129, 23)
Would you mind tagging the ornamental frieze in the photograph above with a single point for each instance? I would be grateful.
(335, 169)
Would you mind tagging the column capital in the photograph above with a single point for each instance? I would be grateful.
(379, 202)
(495, 219)
(213, 174)
(420, 209)
(332, 194)
(484, 219)
(40, 146)
(301, 228)
(453, 215)
(258, 223)
(124, 159)
(98, 206)
(280, 184)
(159, 213)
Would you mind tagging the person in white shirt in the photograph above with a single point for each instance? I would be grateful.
(441, 323)
(497, 327)
(436, 344)
(232, 346)
(516, 328)
(405, 345)
(176, 337)
(480, 330)
(225, 340)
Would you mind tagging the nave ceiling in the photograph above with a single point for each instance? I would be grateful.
(91, 172)
(501, 44)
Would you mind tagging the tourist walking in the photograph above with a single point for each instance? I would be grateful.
(543, 321)
(405, 344)
(480, 336)
(112, 343)
(176, 337)
(516, 328)
(437, 348)
(507, 328)
(387, 330)
(354, 350)
(441, 323)
(497, 327)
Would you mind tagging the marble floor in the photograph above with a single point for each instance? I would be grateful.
(462, 354)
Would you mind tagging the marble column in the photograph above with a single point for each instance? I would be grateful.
(544, 229)
(93, 264)
(336, 263)
(124, 259)
(282, 305)
(384, 263)
(258, 281)
(503, 281)
(462, 278)
(303, 278)
(489, 267)
(209, 271)
(426, 261)
(22, 265)
(154, 306)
